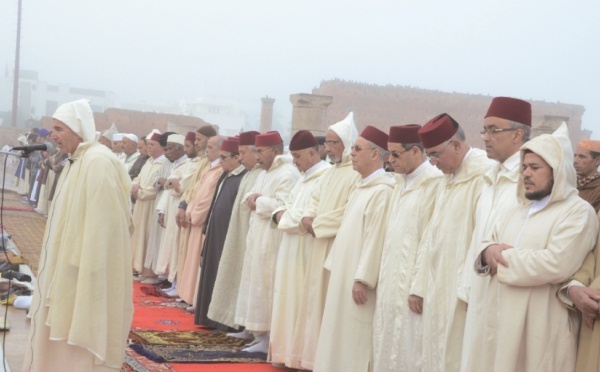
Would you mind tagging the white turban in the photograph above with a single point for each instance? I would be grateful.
(176, 138)
(118, 137)
(78, 116)
(132, 137)
(347, 132)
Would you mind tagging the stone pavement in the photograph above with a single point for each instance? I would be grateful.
(25, 226)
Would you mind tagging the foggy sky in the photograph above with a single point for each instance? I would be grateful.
(148, 50)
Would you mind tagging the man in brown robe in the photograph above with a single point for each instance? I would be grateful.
(587, 160)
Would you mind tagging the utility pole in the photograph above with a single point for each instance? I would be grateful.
(15, 102)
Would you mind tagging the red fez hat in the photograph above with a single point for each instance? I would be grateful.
(378, 137)
(303, 139)
(234, 138)
(230, 146)
(510, 109)
(268, 139)
(155, 137)
(437, 130)
(190, 136)
(247, 138)
(405, 134)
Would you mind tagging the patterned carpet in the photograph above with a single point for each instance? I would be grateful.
(25, 226)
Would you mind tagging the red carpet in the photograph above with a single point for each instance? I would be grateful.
(159, 313)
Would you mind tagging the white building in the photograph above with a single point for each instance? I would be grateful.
(39, 98)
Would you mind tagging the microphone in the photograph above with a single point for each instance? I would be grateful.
(47, 146)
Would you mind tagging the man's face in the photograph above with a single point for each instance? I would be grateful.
(399, 158)
(173, 151)
(585, 164)
(444, 156)
(129, 146)
(142, 148)
(247, 157)
(362, 156)
(103, 140)
(118, 146)
(154, 149)
(537, 177)
(65, 139)
(265, 156)
(500, 145)
(201, 141)
(305, 159)
(229, 162)
(334, 146)
(190, 149)
(212, 150)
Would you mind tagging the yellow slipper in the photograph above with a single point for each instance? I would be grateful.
(10, 300)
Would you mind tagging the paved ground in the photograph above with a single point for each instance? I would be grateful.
(25, 227)
(27, 230)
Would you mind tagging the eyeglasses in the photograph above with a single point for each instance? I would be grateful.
(492, 131)
(359, 149)
(260, 151)
(331, 143)
(436, 154)
(396, 155)
(223, 157)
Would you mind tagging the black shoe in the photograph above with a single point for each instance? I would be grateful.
(8, 267)
(16, 275)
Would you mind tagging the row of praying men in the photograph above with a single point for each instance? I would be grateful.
(462, 260)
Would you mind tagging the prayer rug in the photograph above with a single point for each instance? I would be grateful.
(192, 347)
(207, 339)
(197, 354)
(136, 363)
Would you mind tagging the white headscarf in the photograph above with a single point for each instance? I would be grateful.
(556, 150)
(78, 116)
(347, 132)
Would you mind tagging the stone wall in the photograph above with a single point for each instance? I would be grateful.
(140, 123)
(385, 106)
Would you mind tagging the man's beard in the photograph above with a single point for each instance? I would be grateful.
(540, 194)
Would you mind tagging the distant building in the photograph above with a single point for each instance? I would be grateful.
(39, 98)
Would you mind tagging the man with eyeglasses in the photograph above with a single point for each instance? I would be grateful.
(228, 282)
(270, 191)
(533, 248)
(197, 216)
(446, 241)
(295, 247)
(216, 229)
(397, 331)
(346, 337)
(506, 127)
(322, 219)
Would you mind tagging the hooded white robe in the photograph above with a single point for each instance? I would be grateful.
(327, 207)
(523, 326)
(82, 307)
